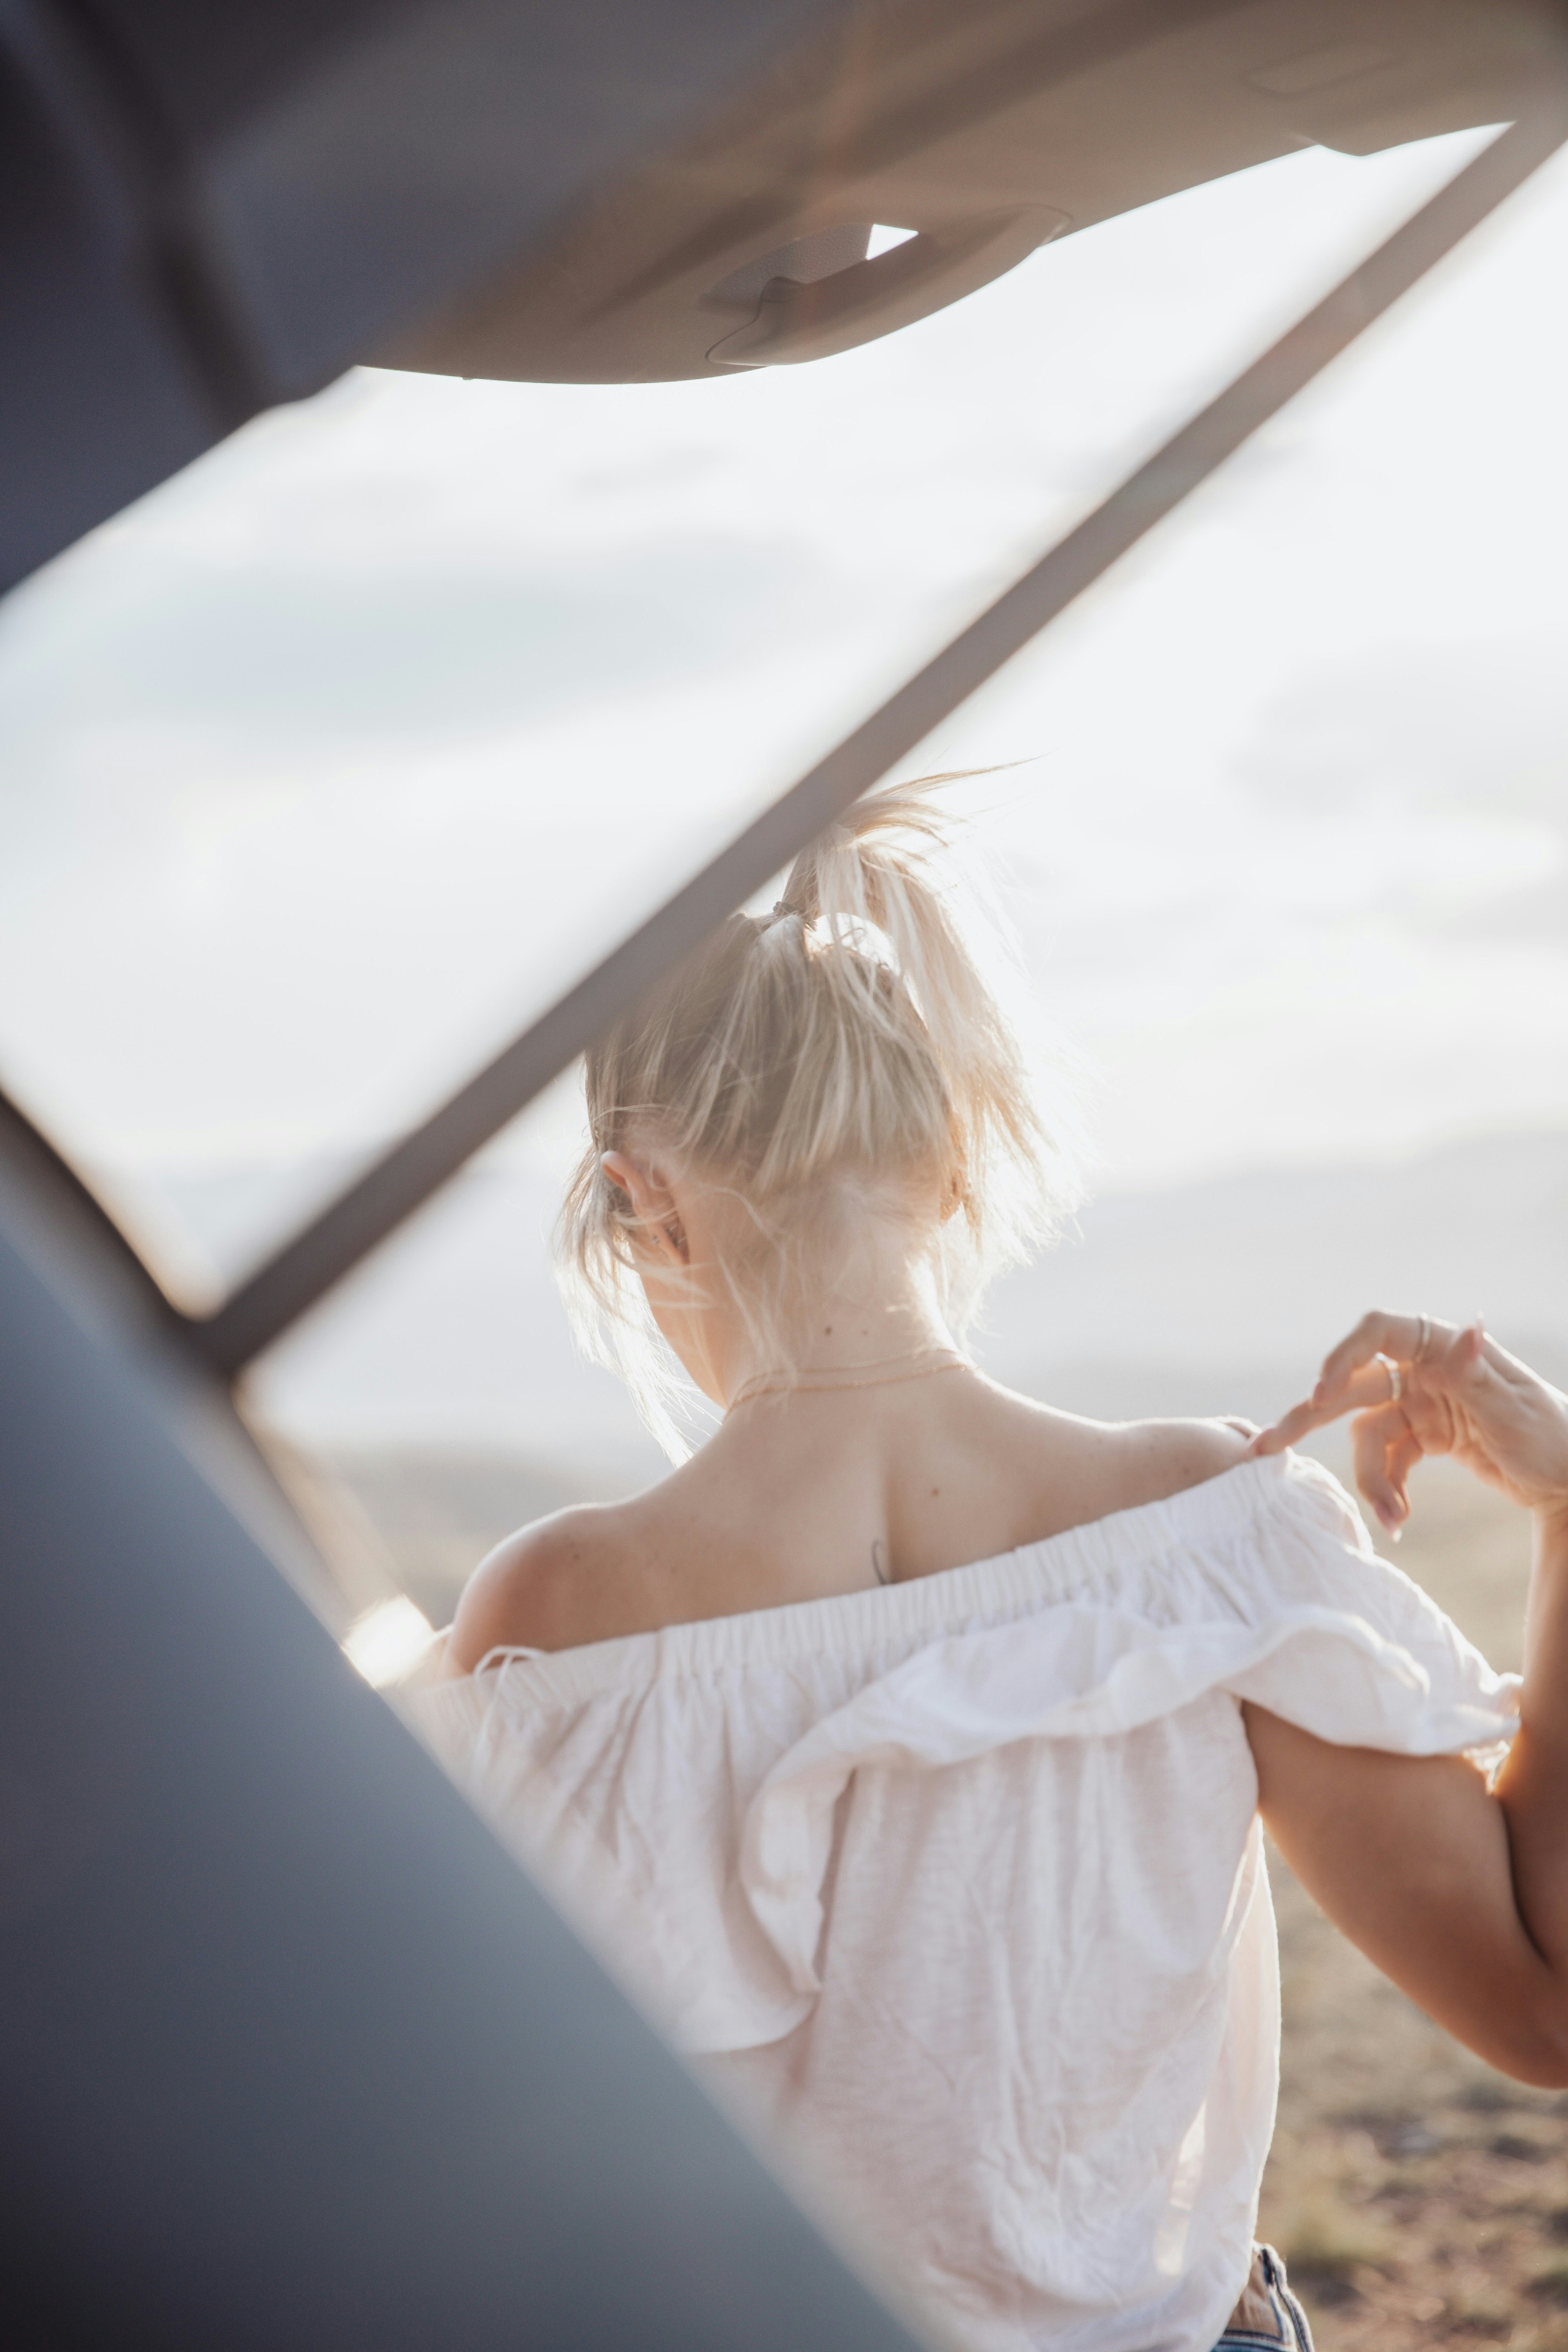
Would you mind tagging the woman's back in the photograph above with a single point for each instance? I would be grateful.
(959, 1883)
(905, 1748)
(827, 1491)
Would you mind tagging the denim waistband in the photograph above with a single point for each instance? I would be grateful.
(1268, 2317)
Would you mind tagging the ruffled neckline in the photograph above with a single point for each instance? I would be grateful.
(1070, 1564)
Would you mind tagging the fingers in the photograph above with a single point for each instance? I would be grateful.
(1293, 1426)
(1356, 1375)
(1407, 1339)
(1440, 1389)
(1384, 1449)
(1359, 1390)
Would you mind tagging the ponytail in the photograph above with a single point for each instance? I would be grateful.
(844, 1055)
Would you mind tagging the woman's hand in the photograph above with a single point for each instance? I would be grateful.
(1458, 1892)
(1416, 1387)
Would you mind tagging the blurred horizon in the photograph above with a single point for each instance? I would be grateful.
(327, 766)
(1215, 1296)
(331, 761)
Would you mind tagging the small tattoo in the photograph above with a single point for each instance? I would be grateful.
(879, 1560)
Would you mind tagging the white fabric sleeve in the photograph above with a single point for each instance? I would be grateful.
(1365, 1658)
(1291, 1608)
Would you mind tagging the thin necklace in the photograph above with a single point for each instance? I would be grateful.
(872, 1370)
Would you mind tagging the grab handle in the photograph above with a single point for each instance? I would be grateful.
(871, 298)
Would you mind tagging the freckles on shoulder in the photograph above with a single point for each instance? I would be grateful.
(1166, 1457)
(530, 1592)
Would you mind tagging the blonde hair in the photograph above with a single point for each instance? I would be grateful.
(843, 1057)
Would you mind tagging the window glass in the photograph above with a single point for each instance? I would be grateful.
(1288, 855)
(335, 760)
(1290, 864)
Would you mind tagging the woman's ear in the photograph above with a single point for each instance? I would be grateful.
(657, 1224)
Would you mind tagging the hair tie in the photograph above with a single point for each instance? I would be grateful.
(787, 906)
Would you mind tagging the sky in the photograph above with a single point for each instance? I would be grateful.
(326, 765)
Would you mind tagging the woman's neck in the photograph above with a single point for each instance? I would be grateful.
(874, 1330)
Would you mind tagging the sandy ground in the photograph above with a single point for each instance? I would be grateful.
(1418, 2196)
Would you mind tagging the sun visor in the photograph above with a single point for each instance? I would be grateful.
(922, 149)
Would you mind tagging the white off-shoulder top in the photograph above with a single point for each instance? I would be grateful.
(962, 1879)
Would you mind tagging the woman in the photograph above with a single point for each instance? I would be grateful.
(905, 1748)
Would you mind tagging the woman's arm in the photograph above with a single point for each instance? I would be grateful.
(1457, 1893)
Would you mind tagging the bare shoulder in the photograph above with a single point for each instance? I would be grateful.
(1161, 1458)
(545, 1588)
(1097, 1467)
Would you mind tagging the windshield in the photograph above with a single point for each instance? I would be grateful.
(334, 761)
